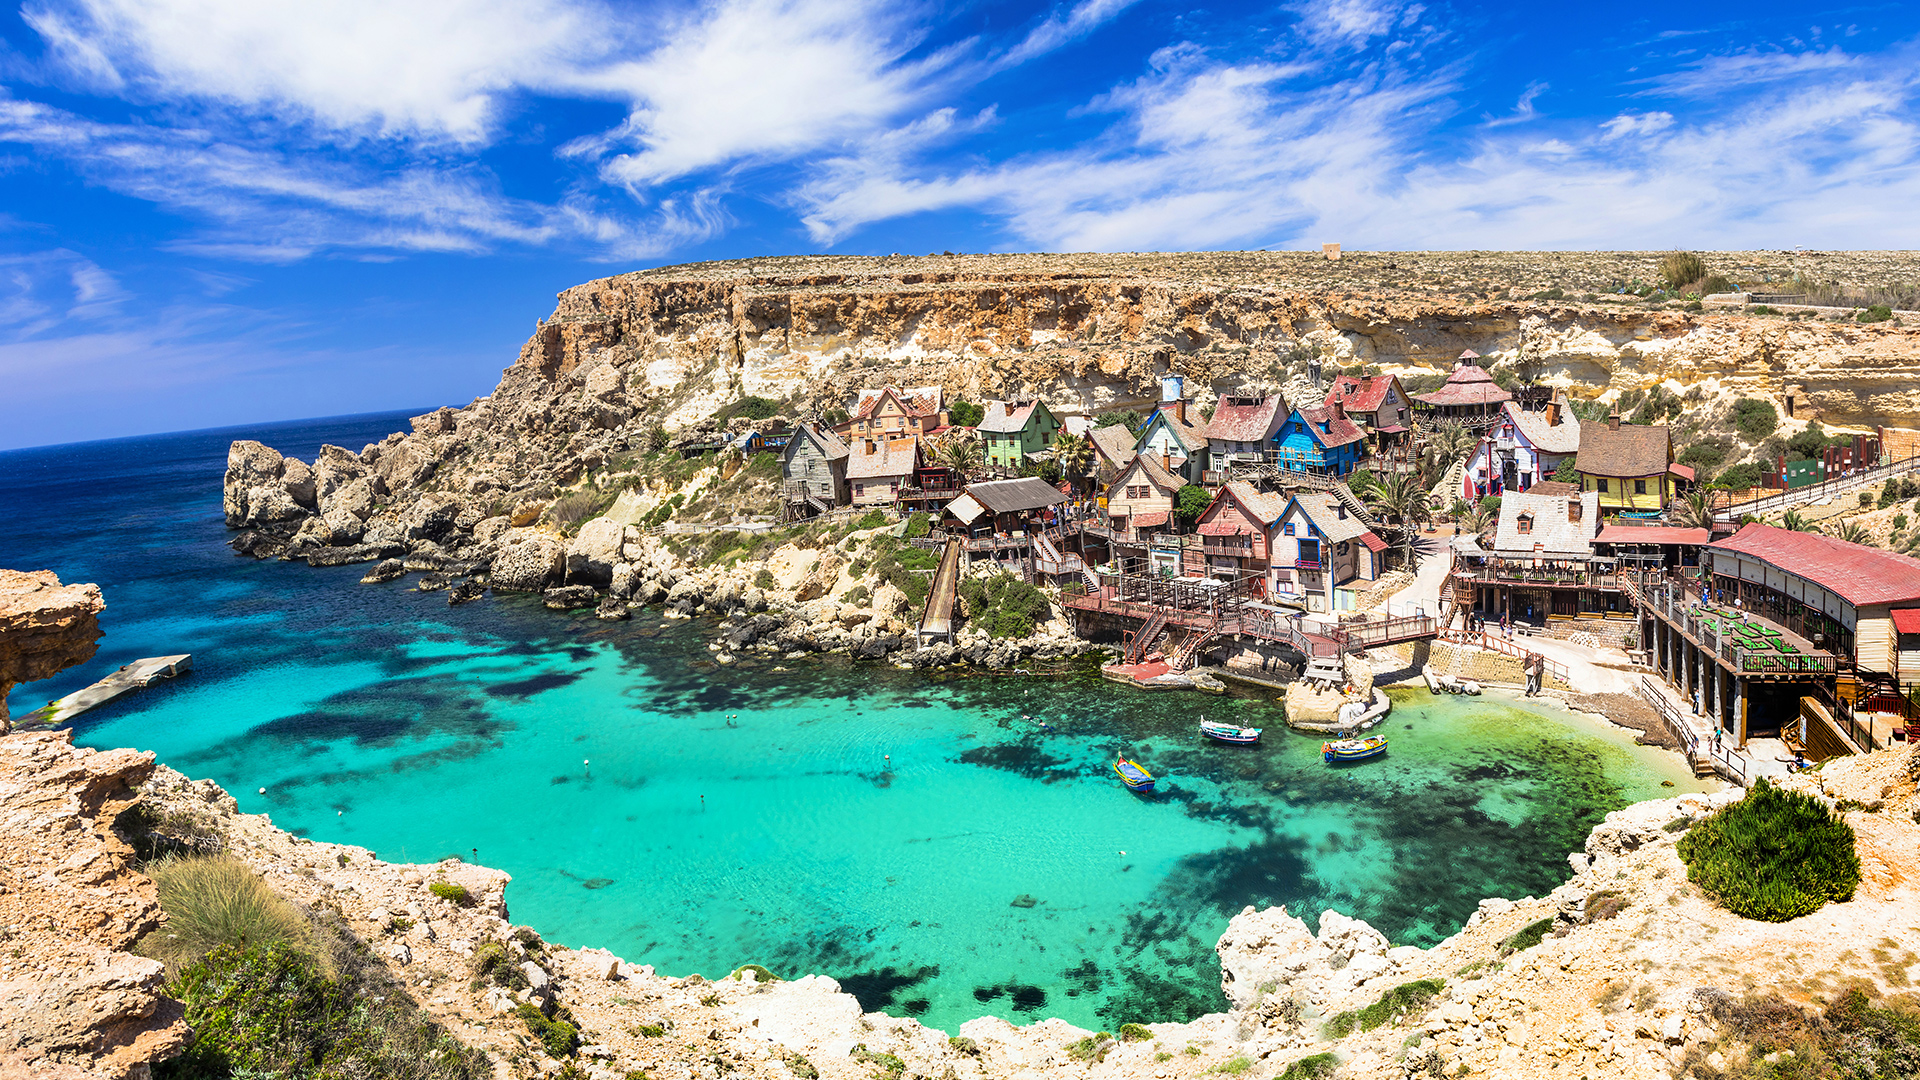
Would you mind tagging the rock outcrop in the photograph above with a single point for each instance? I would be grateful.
(45, 628)
(73, 1001)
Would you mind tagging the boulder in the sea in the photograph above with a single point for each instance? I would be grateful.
(388, 570)
(269, 505)
(296, 479)
(591, 555)
(612, 609)
(250, 465)
(569, 597)
(528, 564)
(342, 556)
(623, 580)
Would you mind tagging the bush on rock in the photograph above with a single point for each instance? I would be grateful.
(1774, 855)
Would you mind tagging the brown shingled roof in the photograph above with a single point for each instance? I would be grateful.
(890, 457)
(1339, 432)
(1114, 443)
(1628, 450)
(1860, 575)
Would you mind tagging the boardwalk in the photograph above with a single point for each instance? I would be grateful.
(937, 620)
(129, 678)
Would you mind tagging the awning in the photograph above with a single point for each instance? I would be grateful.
(1391, 429)
(1684, 472)
(1906, 620)
(966, 508)
(1373, 542)
(1144, 521)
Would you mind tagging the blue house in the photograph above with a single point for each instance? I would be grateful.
(1320, 440)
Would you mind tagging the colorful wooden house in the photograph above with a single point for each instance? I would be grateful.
(1242, 429)
(1627, 464)
(1140, 502)
(1378, 403)
(1180, 445)
(1469, 397)
(1320, 440)
(1520, 449)
(893, 413)
(1112, 451)
(877, 469)
(1318, 547)
(1236, 532)
(814, 464)
(1011, 430)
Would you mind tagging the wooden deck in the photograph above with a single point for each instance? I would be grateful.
(130, 677)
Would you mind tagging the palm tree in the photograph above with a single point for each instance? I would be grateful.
(1695, 511)
(1399, 499)
(1794, 521)
(961, 453)
(1450, 443)
(1074, 454)
(1854, 533)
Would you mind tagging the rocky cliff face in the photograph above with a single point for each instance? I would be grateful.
(45, 628)
(74, 1003)
(669, 348)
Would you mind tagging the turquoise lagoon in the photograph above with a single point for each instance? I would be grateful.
(947, 847)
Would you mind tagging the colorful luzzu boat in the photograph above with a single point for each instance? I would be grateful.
(1353, 749)
(1229, 733)
(1132, 775)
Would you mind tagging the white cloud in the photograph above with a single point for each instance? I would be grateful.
(1058, 30)
(1627, 124)
(44, 289)
(425, 68)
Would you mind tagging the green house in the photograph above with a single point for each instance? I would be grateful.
(1013, 429)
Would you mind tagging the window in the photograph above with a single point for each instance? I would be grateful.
(1600, 484)
(1524, 525)
(1639, 487)
(1287, 529)
(859, 489)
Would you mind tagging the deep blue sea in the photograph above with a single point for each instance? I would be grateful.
(925, 840)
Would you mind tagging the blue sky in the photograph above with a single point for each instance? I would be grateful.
(223, 211)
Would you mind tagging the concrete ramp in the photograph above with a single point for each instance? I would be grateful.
(937, 620)
(130, 677)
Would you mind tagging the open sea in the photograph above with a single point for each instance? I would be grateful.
(945, 847)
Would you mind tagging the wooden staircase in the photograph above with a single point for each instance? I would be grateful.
(1149, 632)
(1183, 655)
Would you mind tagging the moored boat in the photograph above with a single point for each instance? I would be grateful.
(1133, 775)
(1229, 733)
(1353, 749)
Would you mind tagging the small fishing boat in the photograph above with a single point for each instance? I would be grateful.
(1132, 775)
(1353, 749)
(1229, 733)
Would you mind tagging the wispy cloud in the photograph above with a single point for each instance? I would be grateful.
(1059, 29)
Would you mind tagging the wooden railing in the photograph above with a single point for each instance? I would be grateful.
(1726, 761)
(1517, 575)
(1675, 606)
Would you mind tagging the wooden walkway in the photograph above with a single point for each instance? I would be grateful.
(130, 677)
(936, 621)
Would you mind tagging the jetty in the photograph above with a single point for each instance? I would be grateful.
(936, 621)
(130, 677)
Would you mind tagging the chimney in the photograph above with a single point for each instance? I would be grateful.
(1553, 411)
(872, 447)
(1573, 508)
(1613, 421)
(1339, 408)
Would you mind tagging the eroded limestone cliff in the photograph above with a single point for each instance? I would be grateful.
(45, 628)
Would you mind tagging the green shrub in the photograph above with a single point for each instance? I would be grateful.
(1009, 624)
(796, 1064)
(556, 1033)
(1876, 313)
(1706, 454)
(751, 407)
(1093, 1048)
(576, 508)
(450, 891)
(1774, 855)
(1605, 904)
(857, 596)
(919, 524)
(217, 900)
(966, 413)
(891, 1068)
(1526, 937)
(652, 1031)
(1134, 1032)
(1316, 1067)
(490, 965)
(1762, 309)
(1394, 1005)
(1680, 268)
(1755, 418)
(754, 973)
(967, 1046)
(265, 1010)
(1233, 1066)
(763, 579)
(1739, 477)
(872, 519)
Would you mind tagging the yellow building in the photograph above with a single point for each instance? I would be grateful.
(1626, 464)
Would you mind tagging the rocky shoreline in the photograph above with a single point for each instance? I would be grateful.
(1616, 972)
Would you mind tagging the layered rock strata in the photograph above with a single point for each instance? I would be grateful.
(45, 628)
(74, 1002)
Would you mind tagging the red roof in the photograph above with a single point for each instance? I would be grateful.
(1141, 521)
(1468, 385)
(1374, 543)
(1358, 394)
(1339, 430)
(1238, 419)
(1650, 534)
(1862, 576)
(1906, 620)
(1684, 472)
